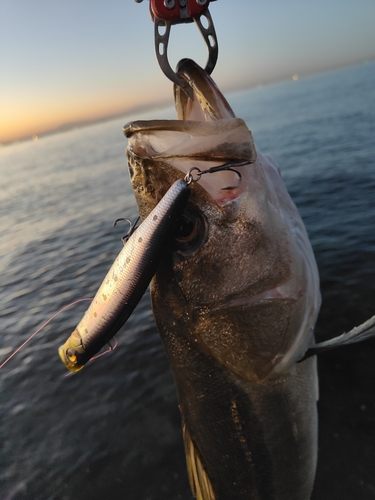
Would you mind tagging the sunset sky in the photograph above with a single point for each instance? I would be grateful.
(76, 60)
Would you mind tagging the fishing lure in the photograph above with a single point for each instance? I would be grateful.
(131, 273)
(126, 281)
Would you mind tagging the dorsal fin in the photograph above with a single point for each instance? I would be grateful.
(199, 481)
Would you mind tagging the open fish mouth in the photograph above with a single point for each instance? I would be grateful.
(206, 134)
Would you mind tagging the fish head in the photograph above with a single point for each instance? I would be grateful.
(241, 281)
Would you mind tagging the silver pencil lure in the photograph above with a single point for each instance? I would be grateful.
(126, 281)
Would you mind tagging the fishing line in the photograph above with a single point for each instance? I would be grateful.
(41, 327)
(110, 349)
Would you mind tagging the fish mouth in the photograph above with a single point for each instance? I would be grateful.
(206, 134)
(208, 104)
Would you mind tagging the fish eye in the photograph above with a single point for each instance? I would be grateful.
(191, 231)
(187, 228)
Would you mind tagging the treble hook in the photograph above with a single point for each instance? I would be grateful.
(132, 227)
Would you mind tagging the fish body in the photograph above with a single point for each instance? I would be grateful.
(235, 302)
(126, 281)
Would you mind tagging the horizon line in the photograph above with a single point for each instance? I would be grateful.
(65, 127)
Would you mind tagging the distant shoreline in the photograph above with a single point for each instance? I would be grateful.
(164, 103)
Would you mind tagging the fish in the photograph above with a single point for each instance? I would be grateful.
(235, 300)
(126, 281)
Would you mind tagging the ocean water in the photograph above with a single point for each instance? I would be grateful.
(112, 431)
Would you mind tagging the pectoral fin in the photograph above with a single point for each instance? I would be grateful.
(359, 333)
(199, 481)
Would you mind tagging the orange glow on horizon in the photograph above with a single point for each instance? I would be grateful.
(26, 118)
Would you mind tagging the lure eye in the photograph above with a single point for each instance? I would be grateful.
(191, 231)
(71, 355)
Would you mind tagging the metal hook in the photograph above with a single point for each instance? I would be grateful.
(189, 177)
(132, 227)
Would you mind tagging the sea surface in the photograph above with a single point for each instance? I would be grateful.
(112, 431)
